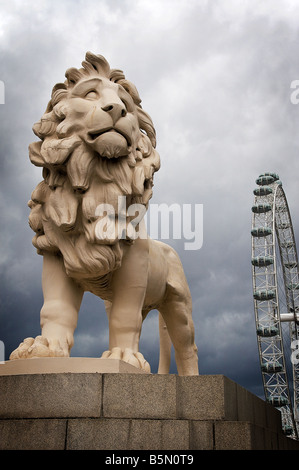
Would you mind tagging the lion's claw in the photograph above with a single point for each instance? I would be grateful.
(127, 355)
(38, 347)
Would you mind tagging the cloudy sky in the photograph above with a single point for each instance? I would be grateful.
(215, 76)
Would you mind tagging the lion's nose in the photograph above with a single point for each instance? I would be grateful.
(116, 111)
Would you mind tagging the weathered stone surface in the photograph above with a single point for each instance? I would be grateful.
(159, 435)
(50, 395)
(233, 435)
(32, 434)
(206, 397)
(251, 408)
(98, 434)
(201, 435)
(126, 434)
(135, 412)
(240, 435)
(150, 396)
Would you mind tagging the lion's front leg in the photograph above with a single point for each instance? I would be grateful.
(58, 317)
(129, 285)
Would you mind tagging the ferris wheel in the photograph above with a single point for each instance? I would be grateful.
(275, 279)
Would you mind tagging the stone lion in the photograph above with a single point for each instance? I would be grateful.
(96, 148)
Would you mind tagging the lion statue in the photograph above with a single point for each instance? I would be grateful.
(97, 149)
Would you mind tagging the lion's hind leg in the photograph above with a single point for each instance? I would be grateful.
(165, 347)
(176, 310)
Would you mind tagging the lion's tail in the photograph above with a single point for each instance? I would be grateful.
(165, 347)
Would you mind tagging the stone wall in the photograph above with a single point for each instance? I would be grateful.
(112, 411)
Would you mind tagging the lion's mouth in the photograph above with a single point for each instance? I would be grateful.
(93, 135)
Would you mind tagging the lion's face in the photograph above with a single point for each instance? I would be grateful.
(103, 115)
(96, 144)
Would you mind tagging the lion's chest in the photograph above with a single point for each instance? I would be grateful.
(100, 286)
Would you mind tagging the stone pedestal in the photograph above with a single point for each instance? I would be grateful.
(132, 411)
(61, 365)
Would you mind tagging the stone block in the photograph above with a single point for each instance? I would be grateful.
(142, 396)
(239, 435)
(88, 411)
(32, 434)
(65, 365)
(273, 418)
(257, 411)
(291, 444)
(50, 395)
(245, 406)
(260, 412)
(175, 434)
(271, 440)
(159, 435)
(98, 434)
(201, 435)
(233, 435)
(126, 434)
(206, 397)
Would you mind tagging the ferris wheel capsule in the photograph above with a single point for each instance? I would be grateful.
(261, 231)
(264, 294)
(278, 401)
(275, 280)
(271, 367)
(262, 191)
(262, 261)
(267, 331)
(261, 208)
(265, 179)
(273, 175)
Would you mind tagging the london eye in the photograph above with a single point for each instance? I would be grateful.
(275, 279)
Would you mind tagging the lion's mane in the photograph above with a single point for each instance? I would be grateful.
(76, 179)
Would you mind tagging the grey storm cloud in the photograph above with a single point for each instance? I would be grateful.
(215, 78)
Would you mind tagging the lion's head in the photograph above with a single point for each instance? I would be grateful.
(97, 143)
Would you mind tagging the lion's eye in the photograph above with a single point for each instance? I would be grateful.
(92, 95)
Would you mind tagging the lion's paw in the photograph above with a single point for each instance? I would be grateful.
(38, 347)
(127, 355)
